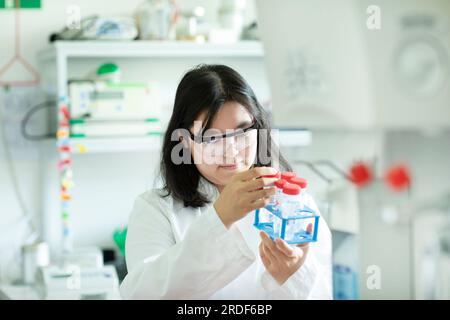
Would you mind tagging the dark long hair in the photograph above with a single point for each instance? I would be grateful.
(207, 87)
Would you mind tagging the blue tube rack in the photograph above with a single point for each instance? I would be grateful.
(299, 237)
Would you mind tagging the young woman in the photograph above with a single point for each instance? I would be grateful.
(194, 238)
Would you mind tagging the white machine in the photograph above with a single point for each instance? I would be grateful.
(75, 283)
(79, 275)
(105, 109)
(102, 100)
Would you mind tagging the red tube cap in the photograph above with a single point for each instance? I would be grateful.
(280, 183)
(291, 189)
(287, 175)
(302, 182)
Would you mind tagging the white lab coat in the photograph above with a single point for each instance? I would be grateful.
(173, 252)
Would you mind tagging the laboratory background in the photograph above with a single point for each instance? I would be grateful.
(358, 90)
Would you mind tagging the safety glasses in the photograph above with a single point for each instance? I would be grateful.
(217, 145)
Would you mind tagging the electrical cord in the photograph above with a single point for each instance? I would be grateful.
(29, 114)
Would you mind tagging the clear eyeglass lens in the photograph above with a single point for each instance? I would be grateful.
(218, 146)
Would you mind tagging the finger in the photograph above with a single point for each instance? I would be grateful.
(255, 173)
(266, 239)
(258, 204)
(304, 248)
(270, 245)
(264, 258)
(285, 248)
(257, 184)
(309, 228)
(261, 194)
(269, 254)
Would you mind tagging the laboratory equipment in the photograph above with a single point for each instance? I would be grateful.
(75, 283)
(102, 100)
(275, 198)
(345, 283)
(33, 256)
(157, 20)
(302, 183)
(192, 25)
(286, 216)
(81, 128)
(96, 28)
(287, 175)
(231, 18)
(83, 257)
(109, 72)
(345, 266)
(78, 274)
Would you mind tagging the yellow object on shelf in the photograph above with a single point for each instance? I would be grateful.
(81, 148)
(65, 197)
(67, 184)
(62, 133)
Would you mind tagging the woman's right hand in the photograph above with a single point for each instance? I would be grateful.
(244, 194)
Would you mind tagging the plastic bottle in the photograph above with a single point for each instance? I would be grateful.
(302, 183)
(345, 266)
(276, 197)
(289, 200)
(289, 203)
(272, 204)
(301, 225)
(273, 198)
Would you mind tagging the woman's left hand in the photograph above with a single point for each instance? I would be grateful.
(281, 259)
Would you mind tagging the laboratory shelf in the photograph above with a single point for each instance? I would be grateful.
(82, 146)
(294, 137)
(115, 145)
(61, 53)
(146, 49)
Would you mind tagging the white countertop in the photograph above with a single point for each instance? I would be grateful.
(18, 292)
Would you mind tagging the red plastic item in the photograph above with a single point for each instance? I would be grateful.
(302, 182)
(280, 183)
(65, 111)
(361, 174)
(287, 175)
(65, 149)
(64, 122)
(65, 162)
(291, 189)
(398, 177)
(277, 175)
